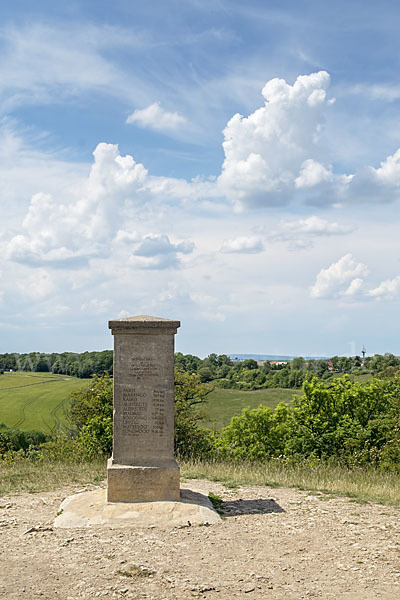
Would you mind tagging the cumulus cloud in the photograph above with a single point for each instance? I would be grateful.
(386, 289)
(155, 117)
(376, 185)
(341, 279)
(276, 153)
(243, 245)
(78, 228)
(156, 251)
(100, 214)
(265, 151)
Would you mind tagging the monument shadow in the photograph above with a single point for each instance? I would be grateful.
(258, 506)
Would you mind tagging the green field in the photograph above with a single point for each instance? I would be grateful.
(223, 404)
(36, 400)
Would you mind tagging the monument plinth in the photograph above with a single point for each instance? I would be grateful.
(142, 467)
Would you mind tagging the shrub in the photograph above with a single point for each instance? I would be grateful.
(14, 439)
(355, 423)
(255, 435)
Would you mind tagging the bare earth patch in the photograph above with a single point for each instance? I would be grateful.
(273, 543)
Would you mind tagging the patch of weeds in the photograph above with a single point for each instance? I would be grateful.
(216, 501)
(60, 512)
(136, 571)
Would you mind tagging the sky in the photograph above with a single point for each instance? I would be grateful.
(234, 166)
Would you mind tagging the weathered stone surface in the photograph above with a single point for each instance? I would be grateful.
(142, 466)
(149, 483)
(90, 509)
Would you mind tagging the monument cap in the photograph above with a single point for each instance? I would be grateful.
(143, 322)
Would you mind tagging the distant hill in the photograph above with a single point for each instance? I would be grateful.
(272, 357)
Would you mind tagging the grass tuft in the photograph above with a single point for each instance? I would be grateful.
(135, 571)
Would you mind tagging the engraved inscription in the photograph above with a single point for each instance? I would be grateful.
(158, 412)
(134, 412)
(143, 368)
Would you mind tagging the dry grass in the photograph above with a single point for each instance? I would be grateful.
(25, 476)
(360, 484)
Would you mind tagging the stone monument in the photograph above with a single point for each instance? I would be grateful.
(142, 467)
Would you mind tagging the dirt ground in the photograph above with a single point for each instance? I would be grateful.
(273, 543)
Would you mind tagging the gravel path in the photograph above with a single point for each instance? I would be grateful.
(273, 543)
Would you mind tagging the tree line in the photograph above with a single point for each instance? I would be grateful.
(83, 365)
(249, 375)
(221, 369)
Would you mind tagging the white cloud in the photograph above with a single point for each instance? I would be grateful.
(315, 225)
(385, 92)
(354, 287)
(45, 63)
(340, 279)
(100, 214)
(156, 251)
(301, 233)
(243, 245)
(265, 151)
(386, 289)
(276, 153)
(78, 228)
(155, 117)
(154, 244)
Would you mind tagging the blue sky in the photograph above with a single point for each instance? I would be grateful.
(232, 165)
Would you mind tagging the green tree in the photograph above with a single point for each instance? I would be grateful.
(298, 363)
(190, 439)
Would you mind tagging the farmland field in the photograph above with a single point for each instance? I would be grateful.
(36, 400)
(223, 404)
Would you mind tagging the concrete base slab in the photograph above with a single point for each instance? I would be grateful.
(90, 509)
(146, 483)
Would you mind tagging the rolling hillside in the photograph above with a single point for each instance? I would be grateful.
(36, 400)
(223, 404)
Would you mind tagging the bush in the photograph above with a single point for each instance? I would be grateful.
(355, 423)
(91, 419)
(255, 435)
(13, 440)
(352, 421)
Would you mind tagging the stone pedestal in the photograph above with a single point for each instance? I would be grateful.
(142, 467)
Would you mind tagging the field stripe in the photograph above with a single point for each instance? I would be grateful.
(16, 387)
